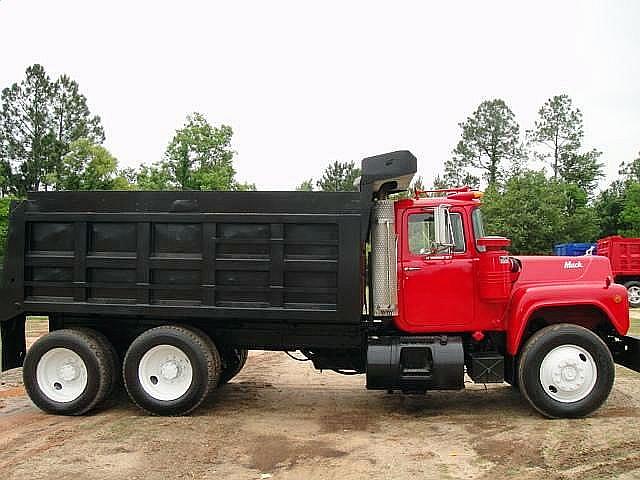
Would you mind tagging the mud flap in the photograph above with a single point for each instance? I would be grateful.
(12, 343)
(626, 351)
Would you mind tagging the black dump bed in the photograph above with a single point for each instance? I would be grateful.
(259, 257)
(255, 269)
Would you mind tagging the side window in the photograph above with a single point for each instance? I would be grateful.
(421, 233)
(478, 227)
(422, 236)
(458, 233)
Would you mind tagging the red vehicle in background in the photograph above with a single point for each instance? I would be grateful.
(624, 255)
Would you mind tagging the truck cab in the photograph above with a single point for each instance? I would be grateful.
(465, 304)
(470, 282)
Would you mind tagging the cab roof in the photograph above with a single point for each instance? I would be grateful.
(435, 201)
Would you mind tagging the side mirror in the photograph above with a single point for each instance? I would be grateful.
(443, 235)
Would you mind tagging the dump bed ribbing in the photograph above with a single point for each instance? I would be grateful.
(223, 257)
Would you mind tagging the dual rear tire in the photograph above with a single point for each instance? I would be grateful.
(233, 360)
(69, 372)
(168, 370)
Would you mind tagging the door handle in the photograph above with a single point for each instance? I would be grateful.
(411, 269)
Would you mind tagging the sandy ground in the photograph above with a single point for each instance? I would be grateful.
(281, 419)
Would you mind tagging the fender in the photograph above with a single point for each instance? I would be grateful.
(611, 301)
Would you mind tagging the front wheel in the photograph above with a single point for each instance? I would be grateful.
(565, 371)
(633, 290)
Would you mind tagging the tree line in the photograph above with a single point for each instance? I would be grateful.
(541, 183)
(50, 140)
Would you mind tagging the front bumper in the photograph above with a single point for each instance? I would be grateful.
(626, 351)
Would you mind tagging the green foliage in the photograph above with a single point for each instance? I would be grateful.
(199, 156)
(581, 169)
(6, 176)
(536, 213)
(490, 138)
(5, 203)
(630, 171)
(557, 137)
(580, 222)
(244, 187)
(87, 166)
(608, 205)
(339, 177)
(305, 186)
(559, 129)
(618, 205)
(528, 210)
(456, 174)
(71, 114)
(27, 140)
(630, 215)
(39, 119)
(154, 178)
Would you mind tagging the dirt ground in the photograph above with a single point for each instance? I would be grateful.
(281, 419)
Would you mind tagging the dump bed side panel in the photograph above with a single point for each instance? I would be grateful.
(269, 258)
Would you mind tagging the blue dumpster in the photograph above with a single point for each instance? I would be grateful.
(573, 249)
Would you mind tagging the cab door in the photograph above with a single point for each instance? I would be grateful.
(437, 290)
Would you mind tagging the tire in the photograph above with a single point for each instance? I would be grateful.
(170, 370)
(114, 358)
(633, 289)
(233, 361)
(565, 371)
(68, 372)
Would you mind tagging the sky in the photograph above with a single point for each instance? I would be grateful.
(306, 83)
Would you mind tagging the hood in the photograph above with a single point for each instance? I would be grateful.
(550, 269)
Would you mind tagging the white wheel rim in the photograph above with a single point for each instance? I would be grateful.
(568, 373)
(61, 375)
(165, 372)
(634, 294)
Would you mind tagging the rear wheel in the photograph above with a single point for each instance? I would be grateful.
(113, 357)
(633, 290)
(169, 370)
(565, 371)
(233, 360)
(68, 372)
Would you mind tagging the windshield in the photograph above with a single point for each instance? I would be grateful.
(478, 227)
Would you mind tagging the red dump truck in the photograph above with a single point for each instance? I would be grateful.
(624, 255)
(169, 290)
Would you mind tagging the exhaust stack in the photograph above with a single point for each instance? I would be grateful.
(384, 277)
